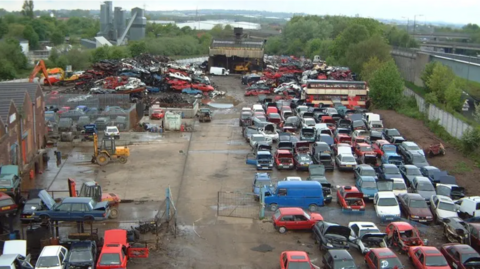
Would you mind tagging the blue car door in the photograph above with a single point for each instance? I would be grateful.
(61, 212)
(78, 211)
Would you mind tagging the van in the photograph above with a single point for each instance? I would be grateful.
(304, 194)
(219, 71)
(468, 207)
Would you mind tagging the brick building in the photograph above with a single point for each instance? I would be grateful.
(22, 109)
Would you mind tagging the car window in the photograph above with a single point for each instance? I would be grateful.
(6, 202)
(478, 206)
(47, 261)
(435, 199)
(435, 261)
(78, 207)
(287, 218)
(426, 186)
(421, 258)
(375, 260)
(62, 257)
(282, 192)
(446, 206)
(355, 228)
(63, 207)
(300, 218)
(110, 259)
(387, 202)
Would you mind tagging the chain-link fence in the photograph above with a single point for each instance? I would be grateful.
(237, 204)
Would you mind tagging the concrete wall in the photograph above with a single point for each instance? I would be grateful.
(411, 64)
(463, 69)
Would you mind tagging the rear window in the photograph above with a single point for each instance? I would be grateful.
(6, 202)
(110, 259)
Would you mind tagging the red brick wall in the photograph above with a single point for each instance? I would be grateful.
(10, 138)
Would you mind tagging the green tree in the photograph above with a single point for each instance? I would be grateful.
(370, 67)
(427, 73)
(274, 45)
(78, 58)
(118, 52)
(440, 79)
(27, 9)
(359, 53)
(7, 70)
(32, 37)
(16, 30)
(352, 35)
(57, 38)
(295, 47)
(313, 47)
(453, 96)
(386, 86)
(99, 54)
(137, 47)
(3, 28)
(11, 51)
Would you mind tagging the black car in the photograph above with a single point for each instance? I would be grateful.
(29, 209)
(390, 133)
(338, 259)
(331, 235)
(317, 173)
(82, 254)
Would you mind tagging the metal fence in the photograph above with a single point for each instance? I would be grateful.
(452, 125)
(97, 101)
(166, 217)
(237, 204)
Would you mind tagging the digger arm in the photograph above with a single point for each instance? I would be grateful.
(40, 66)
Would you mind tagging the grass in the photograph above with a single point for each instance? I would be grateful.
(472, 88)
(418, 90)
(460, 168)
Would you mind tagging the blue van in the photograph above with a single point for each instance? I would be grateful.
(304, 194)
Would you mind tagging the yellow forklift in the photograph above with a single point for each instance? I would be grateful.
(108, 151)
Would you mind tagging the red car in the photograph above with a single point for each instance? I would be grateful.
(63, 110)
(256, 92)
(203, 87)
(294, 218)
(116, 251)
(296, 259)
(382, 258)
(377, 146)
(274, 118)
(180, 87)
(342, 138)
(157, 114)
(403, 235)
(7, 205)
(271, 109)
(427, 258)
(460, 256)
(284, 159)
(474, 235)
(327, 119)
(415, 208)
(363, 149)
(350, 199)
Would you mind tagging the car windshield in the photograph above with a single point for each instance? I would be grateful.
(391, 170)
(277, 214)
(418, 204)
(110, 259)
(390, 263)
(435, 261)
(385, 185)
(425, 187)
(419, 159)
(348, 159)
(344, 264)
(112, 129)
(387, 202)
(310, 122)
(47, 261)
(366, 149)
(261, 183)
(299, 265)
(368, 173)
(258, 138)
(304, 158)
(81, 255)
(412, 147)
(393, 132)
(264, 156)
(245, 116)
(4, 182)
(447, 206)
(368, 231)
(399, 186)
(369, 185)
(413, 172)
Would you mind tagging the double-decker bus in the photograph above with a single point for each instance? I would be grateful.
(336, 92)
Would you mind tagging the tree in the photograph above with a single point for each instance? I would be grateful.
(3, 28)
(427, 73)
(27, 9)
(57, 38)
(313, 47)
(370, 67)
(78, 58)
(274, 45)
(118, 52)
(16, 30)
(11, 51)
(359, 53)
(7, 70)
(386, 86)
(453, 96)
(99, 54)
(137, 47)
(295, 47)
(352, 35)
(32, 37)
(439, 81)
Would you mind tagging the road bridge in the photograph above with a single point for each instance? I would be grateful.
(437, 36)
(452, 45)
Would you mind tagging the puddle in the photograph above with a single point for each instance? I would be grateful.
(220, 105)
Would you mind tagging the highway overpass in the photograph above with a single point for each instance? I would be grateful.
(437, 36)
(451, 45)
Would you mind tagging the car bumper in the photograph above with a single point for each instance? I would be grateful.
(264, 167)
(385, 218)
(327, 199)
(286, 166)
(336, 246)
(344, 168)
(423, 221)
(354, 210)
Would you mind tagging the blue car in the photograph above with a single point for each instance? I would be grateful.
(389, 171)
(261, 180)
(72, 209)
(368, 186)
(191, 91)
(364, 170)
(392, 158)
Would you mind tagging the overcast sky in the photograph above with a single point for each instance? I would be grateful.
(458, 11)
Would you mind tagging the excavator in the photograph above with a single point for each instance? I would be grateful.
(245, 67)
(94, 190)
(108, 151)
(40, 66)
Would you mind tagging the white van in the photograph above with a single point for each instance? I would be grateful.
(219, 71)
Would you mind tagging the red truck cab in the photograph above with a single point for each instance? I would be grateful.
(116, 250)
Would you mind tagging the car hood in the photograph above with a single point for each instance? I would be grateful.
(316, 216)
(422, 212)
(368, 191)
(101, 205)
(446, 214)
(426, 194)
(46, 199)
(338, 230)
(373, 236)
(388, 210)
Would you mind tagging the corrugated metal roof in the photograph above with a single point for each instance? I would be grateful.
(237, 43)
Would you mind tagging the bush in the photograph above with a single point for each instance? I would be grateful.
(409, 108)
(470, 140)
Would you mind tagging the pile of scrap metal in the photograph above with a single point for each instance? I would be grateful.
(175, 100)
(118, 84)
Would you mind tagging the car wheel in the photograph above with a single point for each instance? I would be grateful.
(88, 218)
(273, 207)
(313, 208)
(45, 218)
(282, 230)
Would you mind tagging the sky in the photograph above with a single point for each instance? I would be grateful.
(458, 11)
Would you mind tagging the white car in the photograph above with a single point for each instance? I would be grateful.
(257, 138)
(292, 179)
(468, 207)
(179, 76)
(52, 257)
(442, 207)
(112, 131)
(366, 235)
(386, 206)
(247, 109)
(300, 110)
(270, 131)
(258, 108)
(308, 122)
(345, 161)
(399, 186)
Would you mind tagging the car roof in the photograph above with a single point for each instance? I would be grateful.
(422, 179)
(297, 255)
(410, 166)
(4, 196)
(368, 179)
(462, 248)
(413, 196)
(284, 151)
(50, 250)
(361, 224)
(389, 165)
(352, 189)
(444, 198)
(386, 252)
(386, 194)
(430, 167)
(402, 225)
(340, 254)
(398, 180)
(291, 210)
(7, 259)
(409, 143)
(298, 184)
(363, 144)
(365, 167)
(68, 200)
(430, 250)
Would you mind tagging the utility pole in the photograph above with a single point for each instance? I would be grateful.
(415, 22)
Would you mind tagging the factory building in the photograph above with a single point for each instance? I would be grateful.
(238, 54)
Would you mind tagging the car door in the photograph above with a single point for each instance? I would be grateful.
(301, 222)
(419, 259)
(78, 211)
(474, 238)
(433, 205)
(287, 221)
(62, 255)
(283, 261)
(61, 212)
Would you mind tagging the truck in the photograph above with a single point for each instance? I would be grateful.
(116, 250)
(219, 71)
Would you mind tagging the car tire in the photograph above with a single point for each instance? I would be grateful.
(313, 208)
(273, 207)
(45, 219)
(282, 230)
(88, 218)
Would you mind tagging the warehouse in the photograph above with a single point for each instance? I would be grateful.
(238, 54)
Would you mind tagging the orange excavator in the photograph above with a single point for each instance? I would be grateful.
(94, 190)
(40, 66)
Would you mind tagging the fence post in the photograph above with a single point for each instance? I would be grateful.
(262, 202)
(167, 198)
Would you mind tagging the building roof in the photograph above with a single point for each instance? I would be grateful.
(17, 89)
(252, 44)
(4, 109)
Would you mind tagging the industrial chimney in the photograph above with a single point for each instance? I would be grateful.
(238, 32)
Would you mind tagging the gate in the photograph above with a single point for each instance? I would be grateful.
(238, 204)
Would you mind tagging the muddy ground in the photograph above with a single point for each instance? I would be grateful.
(197, 166)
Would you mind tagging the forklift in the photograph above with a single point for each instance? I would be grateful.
(108, 151)
(94, 190)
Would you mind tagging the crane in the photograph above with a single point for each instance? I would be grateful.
(40, 66)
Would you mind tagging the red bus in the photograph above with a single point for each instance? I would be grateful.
(332, 92)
